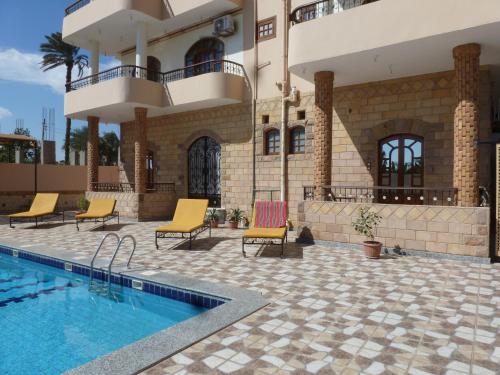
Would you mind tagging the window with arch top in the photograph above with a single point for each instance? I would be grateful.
(204, 56)
(401, 162)
(297, 140)
(272, 142)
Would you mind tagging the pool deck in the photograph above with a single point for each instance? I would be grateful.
(331, 311)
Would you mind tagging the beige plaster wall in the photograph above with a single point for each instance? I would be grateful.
(51, 178)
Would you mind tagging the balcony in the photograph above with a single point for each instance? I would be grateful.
(366, 41)
(112, 23)
(113, 94)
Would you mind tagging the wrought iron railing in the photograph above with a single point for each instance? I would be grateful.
(212, 66)
(323, 8)
(383, 194)
(75, 6)
(132, 71)
(125, 187)
(266, 194)
(161, 187)
(113, 187)
(129, 71)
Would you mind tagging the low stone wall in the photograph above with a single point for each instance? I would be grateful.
(150, 206)
(157, 206)
(451, 230)
(14, 202)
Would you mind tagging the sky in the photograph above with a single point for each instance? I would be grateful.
(24, 88)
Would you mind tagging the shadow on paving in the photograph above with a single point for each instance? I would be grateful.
(201, 244)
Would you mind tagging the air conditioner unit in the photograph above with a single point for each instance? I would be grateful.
(224, 26)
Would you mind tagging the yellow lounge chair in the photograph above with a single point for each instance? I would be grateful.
(189, 218)
(43, 205)
(255, 235)
(99, 209)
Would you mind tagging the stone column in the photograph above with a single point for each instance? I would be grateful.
(92, 152)
(140, 149)
(323, 108)
(466, 124)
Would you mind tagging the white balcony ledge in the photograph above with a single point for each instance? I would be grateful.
(112, 23)
(112, 95)
(393, 38)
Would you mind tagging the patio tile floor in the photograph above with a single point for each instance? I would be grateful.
(331, 311)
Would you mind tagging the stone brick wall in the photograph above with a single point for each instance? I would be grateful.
(451, 230)
(149, 206)
(423, 105)
(170, 137)
(362, 115)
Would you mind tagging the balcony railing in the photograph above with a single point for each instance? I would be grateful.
(323, 8)
(132, 71)
(75, 6)
(160, 187)
(384, 195)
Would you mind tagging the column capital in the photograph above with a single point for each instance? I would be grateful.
(470, 49)
(324, 75)
(93, 119)
(140, 111)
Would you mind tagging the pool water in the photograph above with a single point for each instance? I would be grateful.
(50, 322)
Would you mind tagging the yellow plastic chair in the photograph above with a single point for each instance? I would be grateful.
(99, 209)
(43, 205)
(255, 235)
(189, 218)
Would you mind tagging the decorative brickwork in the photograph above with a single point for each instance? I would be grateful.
(452, 230)
(140, 149)
(323, 108)
(92, 152)
(466, 129)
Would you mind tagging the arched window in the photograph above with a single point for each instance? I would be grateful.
(204, 57)
(401, 161)
(298, 140)
(272, 142)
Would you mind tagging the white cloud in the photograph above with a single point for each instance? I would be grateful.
(25, 67)
(4, 112)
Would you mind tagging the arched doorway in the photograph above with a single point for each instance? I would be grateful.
(204, 57)
(154, 69)
(204, 170)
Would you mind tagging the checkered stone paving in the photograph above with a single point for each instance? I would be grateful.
(331, 311)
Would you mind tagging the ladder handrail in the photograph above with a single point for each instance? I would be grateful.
(116, 253)
(99, 249)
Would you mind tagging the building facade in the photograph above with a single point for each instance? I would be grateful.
(330, 105)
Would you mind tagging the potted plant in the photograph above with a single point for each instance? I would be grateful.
(366, 225)
(83, 204)
(213, 218)
(246, 222)
(235, 216)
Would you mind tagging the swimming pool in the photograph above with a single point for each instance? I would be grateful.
(50, 322)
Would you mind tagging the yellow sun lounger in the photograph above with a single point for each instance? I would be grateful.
(189, 218)
(99, 209)
(43, 205)
(265, 235)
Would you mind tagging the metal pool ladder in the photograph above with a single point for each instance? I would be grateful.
(118, 246)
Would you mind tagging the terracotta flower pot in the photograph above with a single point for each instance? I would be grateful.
(214, 223)
(372, 249)
(233, 224)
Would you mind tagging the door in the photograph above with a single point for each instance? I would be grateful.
(150, 183)
(401, 168)
(154, 69)
(204, 170)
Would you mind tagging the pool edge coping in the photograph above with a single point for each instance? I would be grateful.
(149, 351)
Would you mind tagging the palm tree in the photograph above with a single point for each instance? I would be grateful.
(57, 53)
